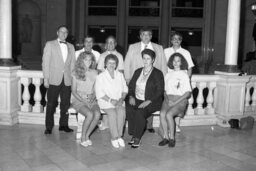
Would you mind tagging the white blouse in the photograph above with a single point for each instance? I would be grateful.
(177, 83)
(141, 85)
(113, 88)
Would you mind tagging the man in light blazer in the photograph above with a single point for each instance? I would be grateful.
(58, 63)
(133, 59)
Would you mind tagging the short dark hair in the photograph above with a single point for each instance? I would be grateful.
(175, 33)
(62, 26)
(149, 52)
(109, 57)
(89, 36)
(184, 64)
(144, 29)
(111, 37)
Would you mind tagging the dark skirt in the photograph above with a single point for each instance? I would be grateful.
(179, 108)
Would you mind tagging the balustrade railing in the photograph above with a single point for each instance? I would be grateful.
(33, 96)
(33, 99)
(202, 99)
(201, 104)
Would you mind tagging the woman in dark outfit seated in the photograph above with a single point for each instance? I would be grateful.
(146, 90)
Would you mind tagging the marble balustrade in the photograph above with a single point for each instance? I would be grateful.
(200, 111)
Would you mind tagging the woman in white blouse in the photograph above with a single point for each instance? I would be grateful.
(177, 92)
(111, 90)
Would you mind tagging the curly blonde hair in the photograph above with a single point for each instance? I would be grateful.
(80, 68)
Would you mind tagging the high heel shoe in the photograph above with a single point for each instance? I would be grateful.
(171, 143)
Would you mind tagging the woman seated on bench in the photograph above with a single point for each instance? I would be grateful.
(177, 92)
(146, 90)
(84, 100)
(111, 90)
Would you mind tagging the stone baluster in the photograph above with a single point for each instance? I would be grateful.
(26, 106)
(200, 99)
(190, 110)
(247, 106)
(209, 100)
(37, 96)
(254, 98)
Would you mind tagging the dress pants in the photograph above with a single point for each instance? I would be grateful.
(53, 93)
(137, 117)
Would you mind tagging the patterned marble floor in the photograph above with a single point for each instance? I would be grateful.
(25, 147)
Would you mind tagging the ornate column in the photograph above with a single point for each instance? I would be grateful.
(9, 89)
(6, 33)
(232, 37)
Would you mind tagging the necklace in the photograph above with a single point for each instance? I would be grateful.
(145, 73)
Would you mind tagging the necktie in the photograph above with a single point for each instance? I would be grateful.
(63, 42)
(145, 46)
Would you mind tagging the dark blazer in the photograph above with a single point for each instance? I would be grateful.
(154, 87)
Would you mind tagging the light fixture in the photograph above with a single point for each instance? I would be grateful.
(102, 30)
(190, 32)
(253, 8)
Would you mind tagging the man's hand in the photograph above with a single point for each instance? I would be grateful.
(46, 83)
(144, 104)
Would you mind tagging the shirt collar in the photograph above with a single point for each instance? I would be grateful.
(111, 52)
(149, 46)
(60, 40)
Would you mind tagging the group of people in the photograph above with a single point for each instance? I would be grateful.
(150, 79)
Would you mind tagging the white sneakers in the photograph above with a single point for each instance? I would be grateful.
(121, 142)
(115, 143)
(118, 143)
(86, 143)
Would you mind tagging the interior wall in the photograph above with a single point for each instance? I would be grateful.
(55, 16)
(220, 30)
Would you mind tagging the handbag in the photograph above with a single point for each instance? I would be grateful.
(234, 123)
(246, 123)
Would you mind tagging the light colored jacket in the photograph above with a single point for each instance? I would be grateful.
(53, 64)
(133, 59)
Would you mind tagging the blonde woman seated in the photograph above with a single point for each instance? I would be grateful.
(111, 90)
(177, 92)
(84, 99)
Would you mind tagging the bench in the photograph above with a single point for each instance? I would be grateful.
(80, 120)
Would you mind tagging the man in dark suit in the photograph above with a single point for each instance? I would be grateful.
(58, 63)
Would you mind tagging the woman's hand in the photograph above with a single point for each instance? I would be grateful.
(144, 104)
(113, 102)
(120, 102)
(91, 97)
(171, 103)
(131, 101)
